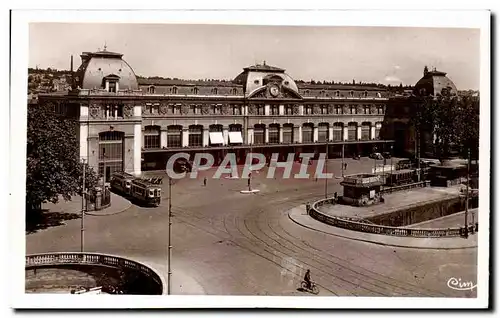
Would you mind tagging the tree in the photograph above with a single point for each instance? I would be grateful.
(452, 121)
(53, 167)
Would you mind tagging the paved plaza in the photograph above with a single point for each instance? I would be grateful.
(393, 202)
(227, 243)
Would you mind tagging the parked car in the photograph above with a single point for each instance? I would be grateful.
(376, 155)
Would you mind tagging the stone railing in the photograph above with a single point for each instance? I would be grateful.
(380, 229)
(75, 258)
(421, 184)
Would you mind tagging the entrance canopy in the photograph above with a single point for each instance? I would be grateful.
(235, 137)
(216, 138)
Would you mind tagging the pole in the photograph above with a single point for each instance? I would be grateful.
(342, 160)
(251, 162)
(467, 197)
(326, 169)
(392, 150)
(169, 235)
(82, 225)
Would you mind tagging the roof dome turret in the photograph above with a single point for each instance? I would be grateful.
(101, 65)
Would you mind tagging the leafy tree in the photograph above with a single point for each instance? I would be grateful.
(53, 167)
(452, 120)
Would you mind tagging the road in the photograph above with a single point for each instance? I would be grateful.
(234, 244)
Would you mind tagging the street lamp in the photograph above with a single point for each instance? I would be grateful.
(326, 168)
(169, 235)
(84, 205)
(466, 221)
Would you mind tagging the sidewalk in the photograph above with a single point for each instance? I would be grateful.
(299, 216)
(74, 206)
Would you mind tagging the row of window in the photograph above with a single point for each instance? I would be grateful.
(194, 90)
(324, 93)
(274, 110)
(152, 134)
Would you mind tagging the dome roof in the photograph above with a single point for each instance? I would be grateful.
(254, 78)
(434, 83)
(104, 64)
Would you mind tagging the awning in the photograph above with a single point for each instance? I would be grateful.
(235, 137)
(216, 138)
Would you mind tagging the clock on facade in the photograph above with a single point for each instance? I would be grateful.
(274, 90)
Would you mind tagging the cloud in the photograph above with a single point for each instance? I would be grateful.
(392, 79)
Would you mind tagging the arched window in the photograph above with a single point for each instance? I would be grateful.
(351, 94)
(275, 110)
(378, 126)
(236, 110)
(215, 135)
(323, 132)
(195, 90)
(151, 89)
(288, 109)
(287, 133)
(234, 91)
(338, 131)
(352, 131)
(174, 90)
(307, 133)
(174, 136)
(274, 133)
(365, 94)
(337, 93)
(258, 134)
(195, 136)
(235, 136)
(215, 90)
(151, 137)
(365, 131)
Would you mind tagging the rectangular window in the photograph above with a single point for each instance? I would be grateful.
(351, 133)
(322, 133)
(274, 135)
(287, 134)
(365, 133)
(237, 110)
(258, 136)
(307, 134)
(288, 110)
(275, 110)
(174, 138)
(195, 138)
(337, 134)
(377, 132)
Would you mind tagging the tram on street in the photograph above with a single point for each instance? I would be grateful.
(145, 192)
(121, 182)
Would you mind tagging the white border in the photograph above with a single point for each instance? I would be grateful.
(20, 20)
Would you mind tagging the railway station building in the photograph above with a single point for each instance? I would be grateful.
(132, 124)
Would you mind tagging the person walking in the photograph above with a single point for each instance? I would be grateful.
(205, 181)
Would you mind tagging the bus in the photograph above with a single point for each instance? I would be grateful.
(121, 182)
(145, 192)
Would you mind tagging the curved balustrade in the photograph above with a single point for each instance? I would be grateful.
(51, 259)
(380, 229)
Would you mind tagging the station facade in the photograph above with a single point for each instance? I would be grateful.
(132, 124)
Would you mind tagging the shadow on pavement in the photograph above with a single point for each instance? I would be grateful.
(45, 219)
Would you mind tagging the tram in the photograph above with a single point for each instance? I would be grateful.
(145, 193)
(400, 177)
(121, 182)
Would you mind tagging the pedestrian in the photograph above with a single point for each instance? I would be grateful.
(205, 181)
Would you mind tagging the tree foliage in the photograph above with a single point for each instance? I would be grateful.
(53, 167)
(453, 120)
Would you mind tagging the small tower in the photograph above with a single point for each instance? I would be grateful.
(426, 70)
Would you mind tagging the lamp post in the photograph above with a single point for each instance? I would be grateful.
(326, 168)
(466, 221)
(82, 224)
(169, 287)
(392, 154)
(342, 168)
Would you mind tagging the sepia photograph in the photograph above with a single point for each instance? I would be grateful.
(311, 160)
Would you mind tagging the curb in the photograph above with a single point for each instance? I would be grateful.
(373, 241)
(110, 213)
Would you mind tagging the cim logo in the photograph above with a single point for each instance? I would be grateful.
(458, 284)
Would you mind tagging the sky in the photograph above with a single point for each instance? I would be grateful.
(368, 54)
